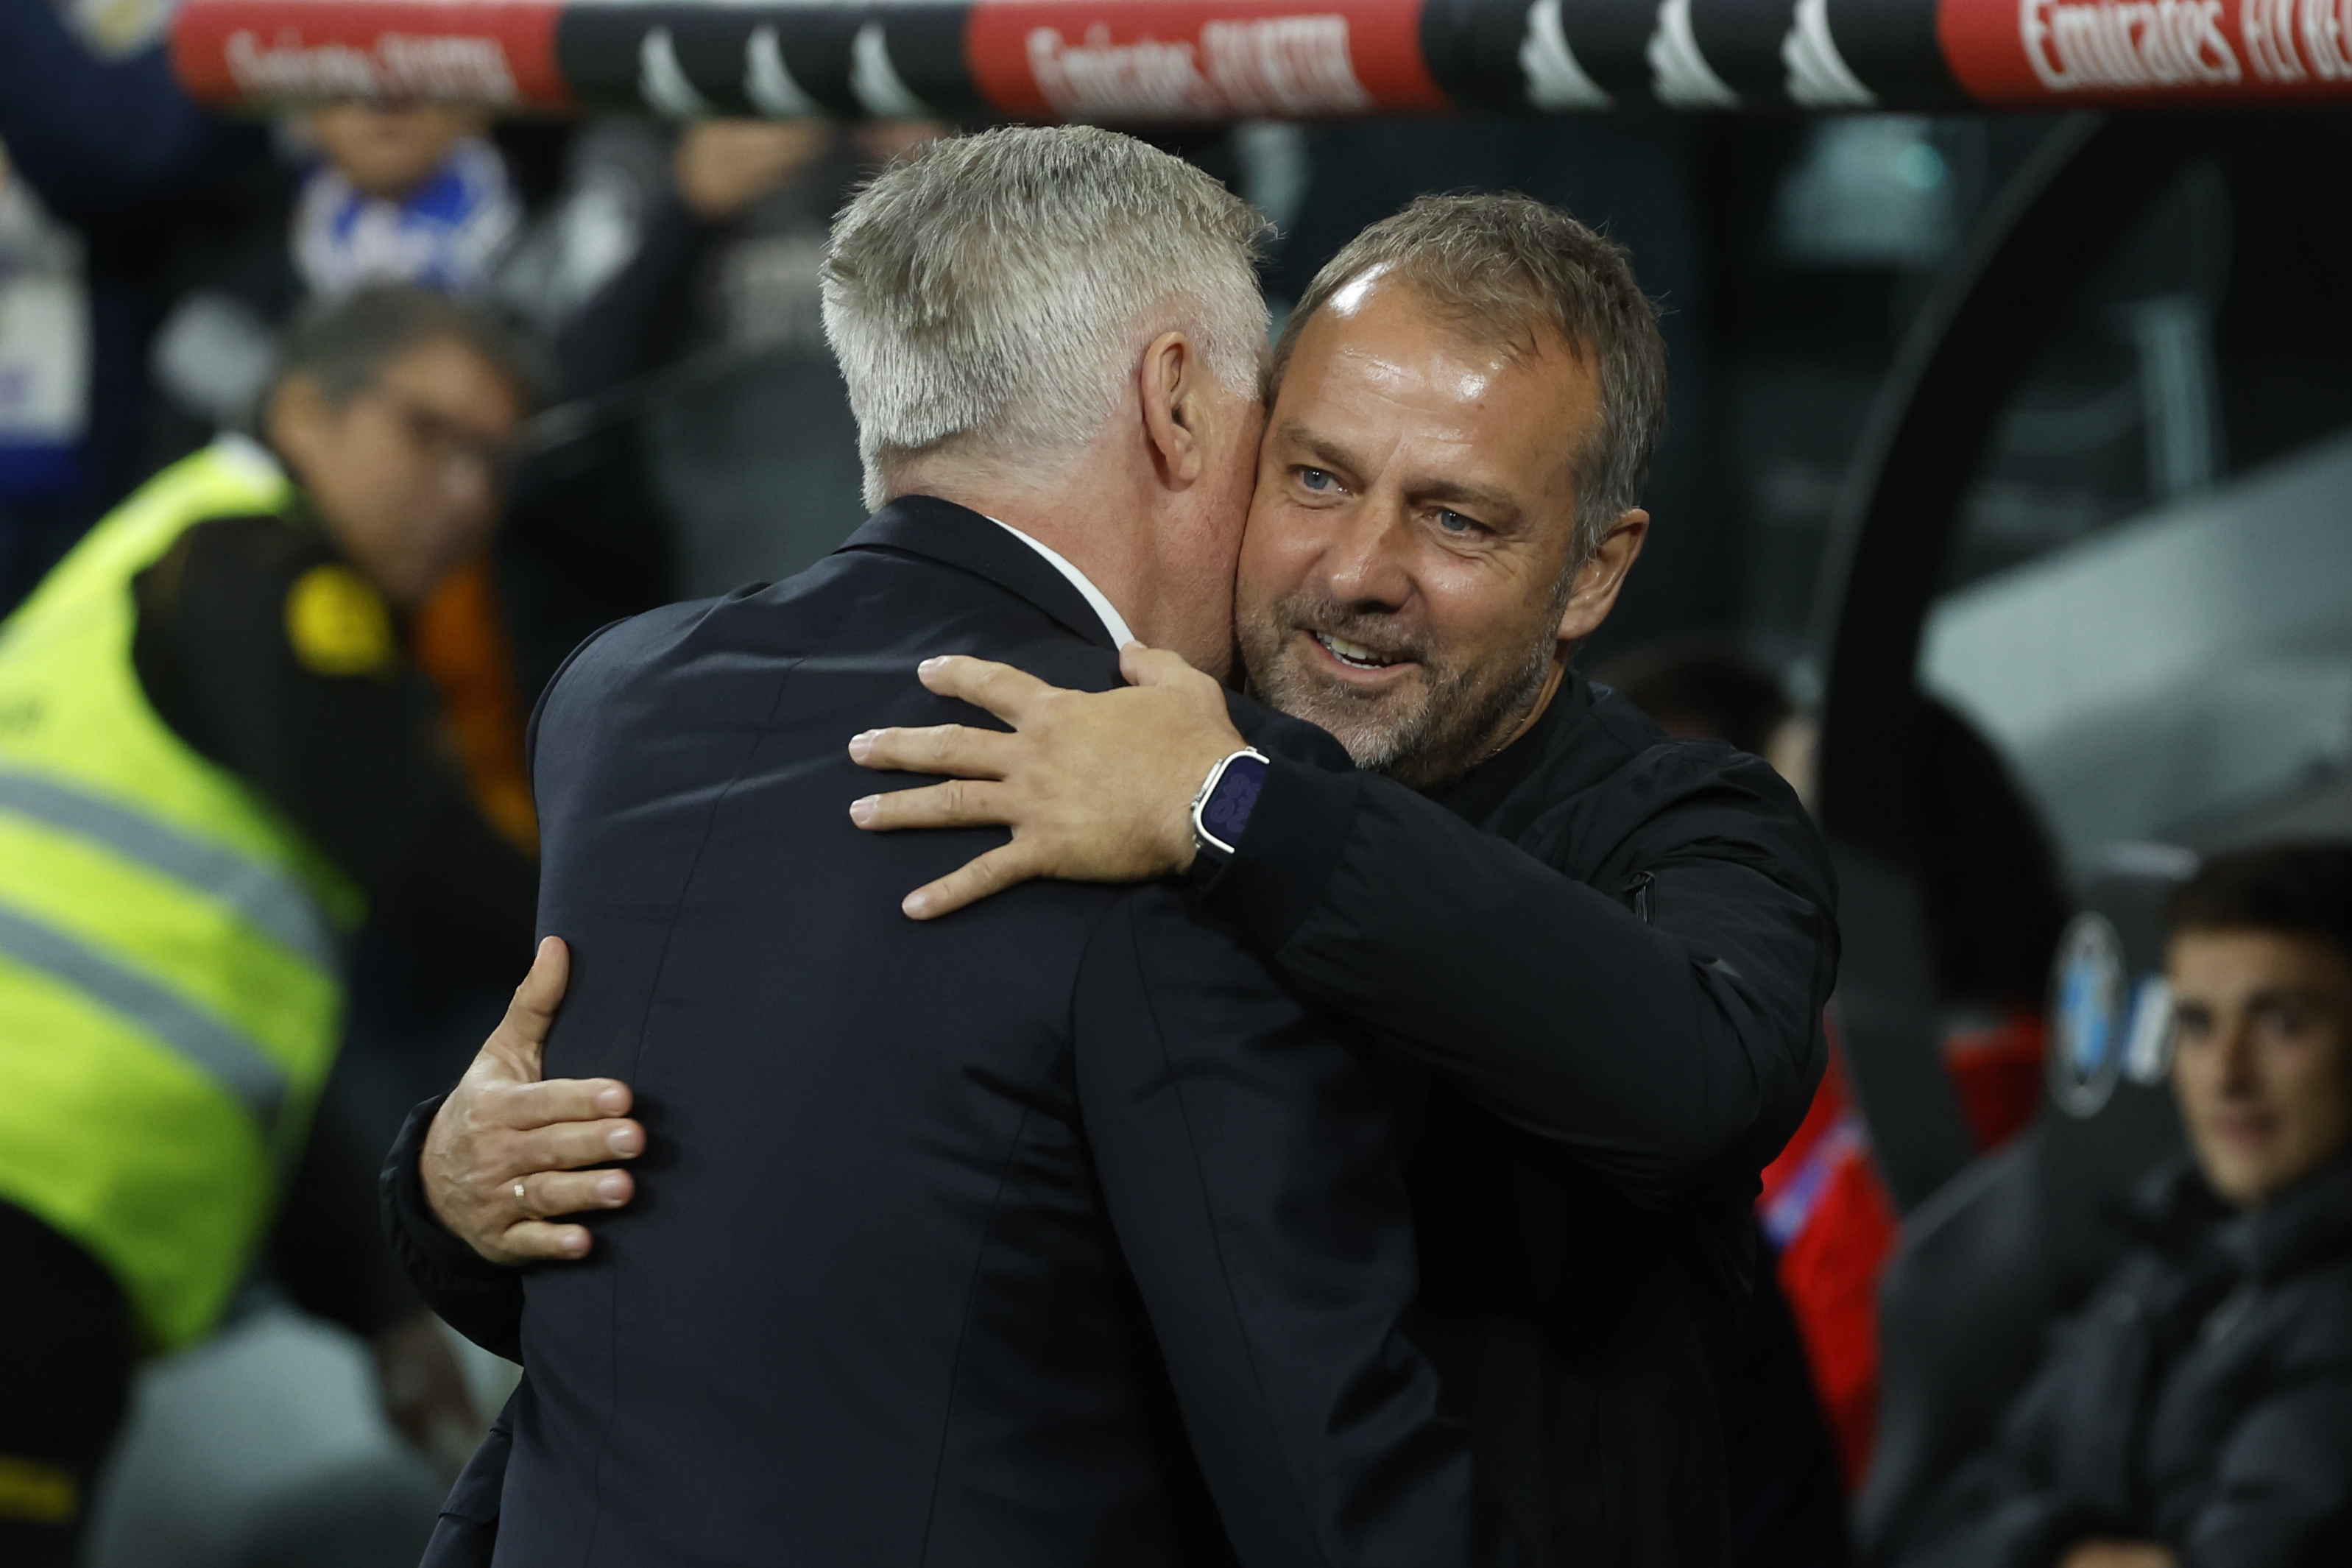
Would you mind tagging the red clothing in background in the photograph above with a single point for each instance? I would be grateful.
(1828, 1211)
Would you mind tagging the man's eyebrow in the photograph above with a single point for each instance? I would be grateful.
(1326, 452)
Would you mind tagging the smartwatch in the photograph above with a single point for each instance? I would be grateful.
(1222, 810)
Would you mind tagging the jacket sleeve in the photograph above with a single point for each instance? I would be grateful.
(479, 1299)
(1656, 1024)
(1245, 1158)
(2001, 1508)
(2281, 1494)
(350, 753)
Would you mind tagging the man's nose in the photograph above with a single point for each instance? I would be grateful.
(469, 485)
(1365, 565)
(2238, 1076)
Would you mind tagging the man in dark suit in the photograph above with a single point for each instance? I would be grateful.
(1061, 1183)
(1593, 957)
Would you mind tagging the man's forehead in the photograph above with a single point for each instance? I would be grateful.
(2244, 959)
(1397, 338)
(1483, 423)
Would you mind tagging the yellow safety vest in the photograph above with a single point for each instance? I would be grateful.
(170, 989)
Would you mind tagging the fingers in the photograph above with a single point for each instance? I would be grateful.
(1007, 692)
(550, 1195)
(1145, 666)
(959, 803)
(977, 879)
(525, 1106)
(535, 1241)
(559, 1146)
(954, 749)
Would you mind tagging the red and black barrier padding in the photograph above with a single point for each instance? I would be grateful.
(1145, 61)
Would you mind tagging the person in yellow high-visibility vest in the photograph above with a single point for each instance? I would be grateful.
(215, 762)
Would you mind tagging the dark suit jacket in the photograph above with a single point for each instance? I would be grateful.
(1613, 949)
(934, 1214)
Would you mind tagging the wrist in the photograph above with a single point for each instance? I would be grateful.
(1203, 754)
(1224, 802)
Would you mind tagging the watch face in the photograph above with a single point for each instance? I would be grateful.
(1227, 810)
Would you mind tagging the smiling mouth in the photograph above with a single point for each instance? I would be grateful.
(1354, 654)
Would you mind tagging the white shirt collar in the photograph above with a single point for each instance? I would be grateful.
(1113, 622)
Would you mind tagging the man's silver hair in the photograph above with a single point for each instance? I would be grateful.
(990, 296)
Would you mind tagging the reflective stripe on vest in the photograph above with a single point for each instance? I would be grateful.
(272, 901)
(230, 1060)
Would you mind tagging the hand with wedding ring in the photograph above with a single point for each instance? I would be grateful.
(509, 1152)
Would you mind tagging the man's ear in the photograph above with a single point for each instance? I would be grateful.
(1173, 411)
(1598, 581)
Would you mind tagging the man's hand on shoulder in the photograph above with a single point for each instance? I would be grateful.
(506, 1151)
(1096, 786)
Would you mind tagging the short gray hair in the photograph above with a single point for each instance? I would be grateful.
(1505, 268)
(989, 295)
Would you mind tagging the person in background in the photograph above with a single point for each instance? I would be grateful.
(2199, 1410)
(1996, 905)
(214, 760)
(1703, 686)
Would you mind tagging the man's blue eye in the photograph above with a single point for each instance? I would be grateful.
(1455, 523)
(1315, 479)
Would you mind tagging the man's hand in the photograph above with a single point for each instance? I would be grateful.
(505, 1152)
(1096, 786)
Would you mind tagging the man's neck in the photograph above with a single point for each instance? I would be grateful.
(1094, 524)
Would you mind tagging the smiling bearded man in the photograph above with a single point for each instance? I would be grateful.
(1593, 957)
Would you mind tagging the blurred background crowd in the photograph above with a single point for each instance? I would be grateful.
(656, 417)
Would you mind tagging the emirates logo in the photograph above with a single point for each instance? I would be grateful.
(1272, 67)
(2112, 45)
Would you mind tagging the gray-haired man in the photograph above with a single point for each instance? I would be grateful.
(1612, 948)
(968, 1228)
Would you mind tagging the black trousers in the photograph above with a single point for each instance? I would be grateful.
(66, 1354)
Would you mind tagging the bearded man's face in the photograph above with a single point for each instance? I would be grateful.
(1412, 541)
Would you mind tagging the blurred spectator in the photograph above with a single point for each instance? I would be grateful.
(1995, 906)
(583, 238)
(199, 235)
(713, 452)
(1701, 686)
(775, 184)
(212, 759)
(119, 158)
(2199, 1411)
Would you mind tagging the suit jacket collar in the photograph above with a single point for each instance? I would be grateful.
(960, 537)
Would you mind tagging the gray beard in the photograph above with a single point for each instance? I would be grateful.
(1457, 722)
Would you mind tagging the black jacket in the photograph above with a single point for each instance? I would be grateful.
(1598, 964)
(935, 1215)
(350, 749)
(2202, 1399)
(1620, 945)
